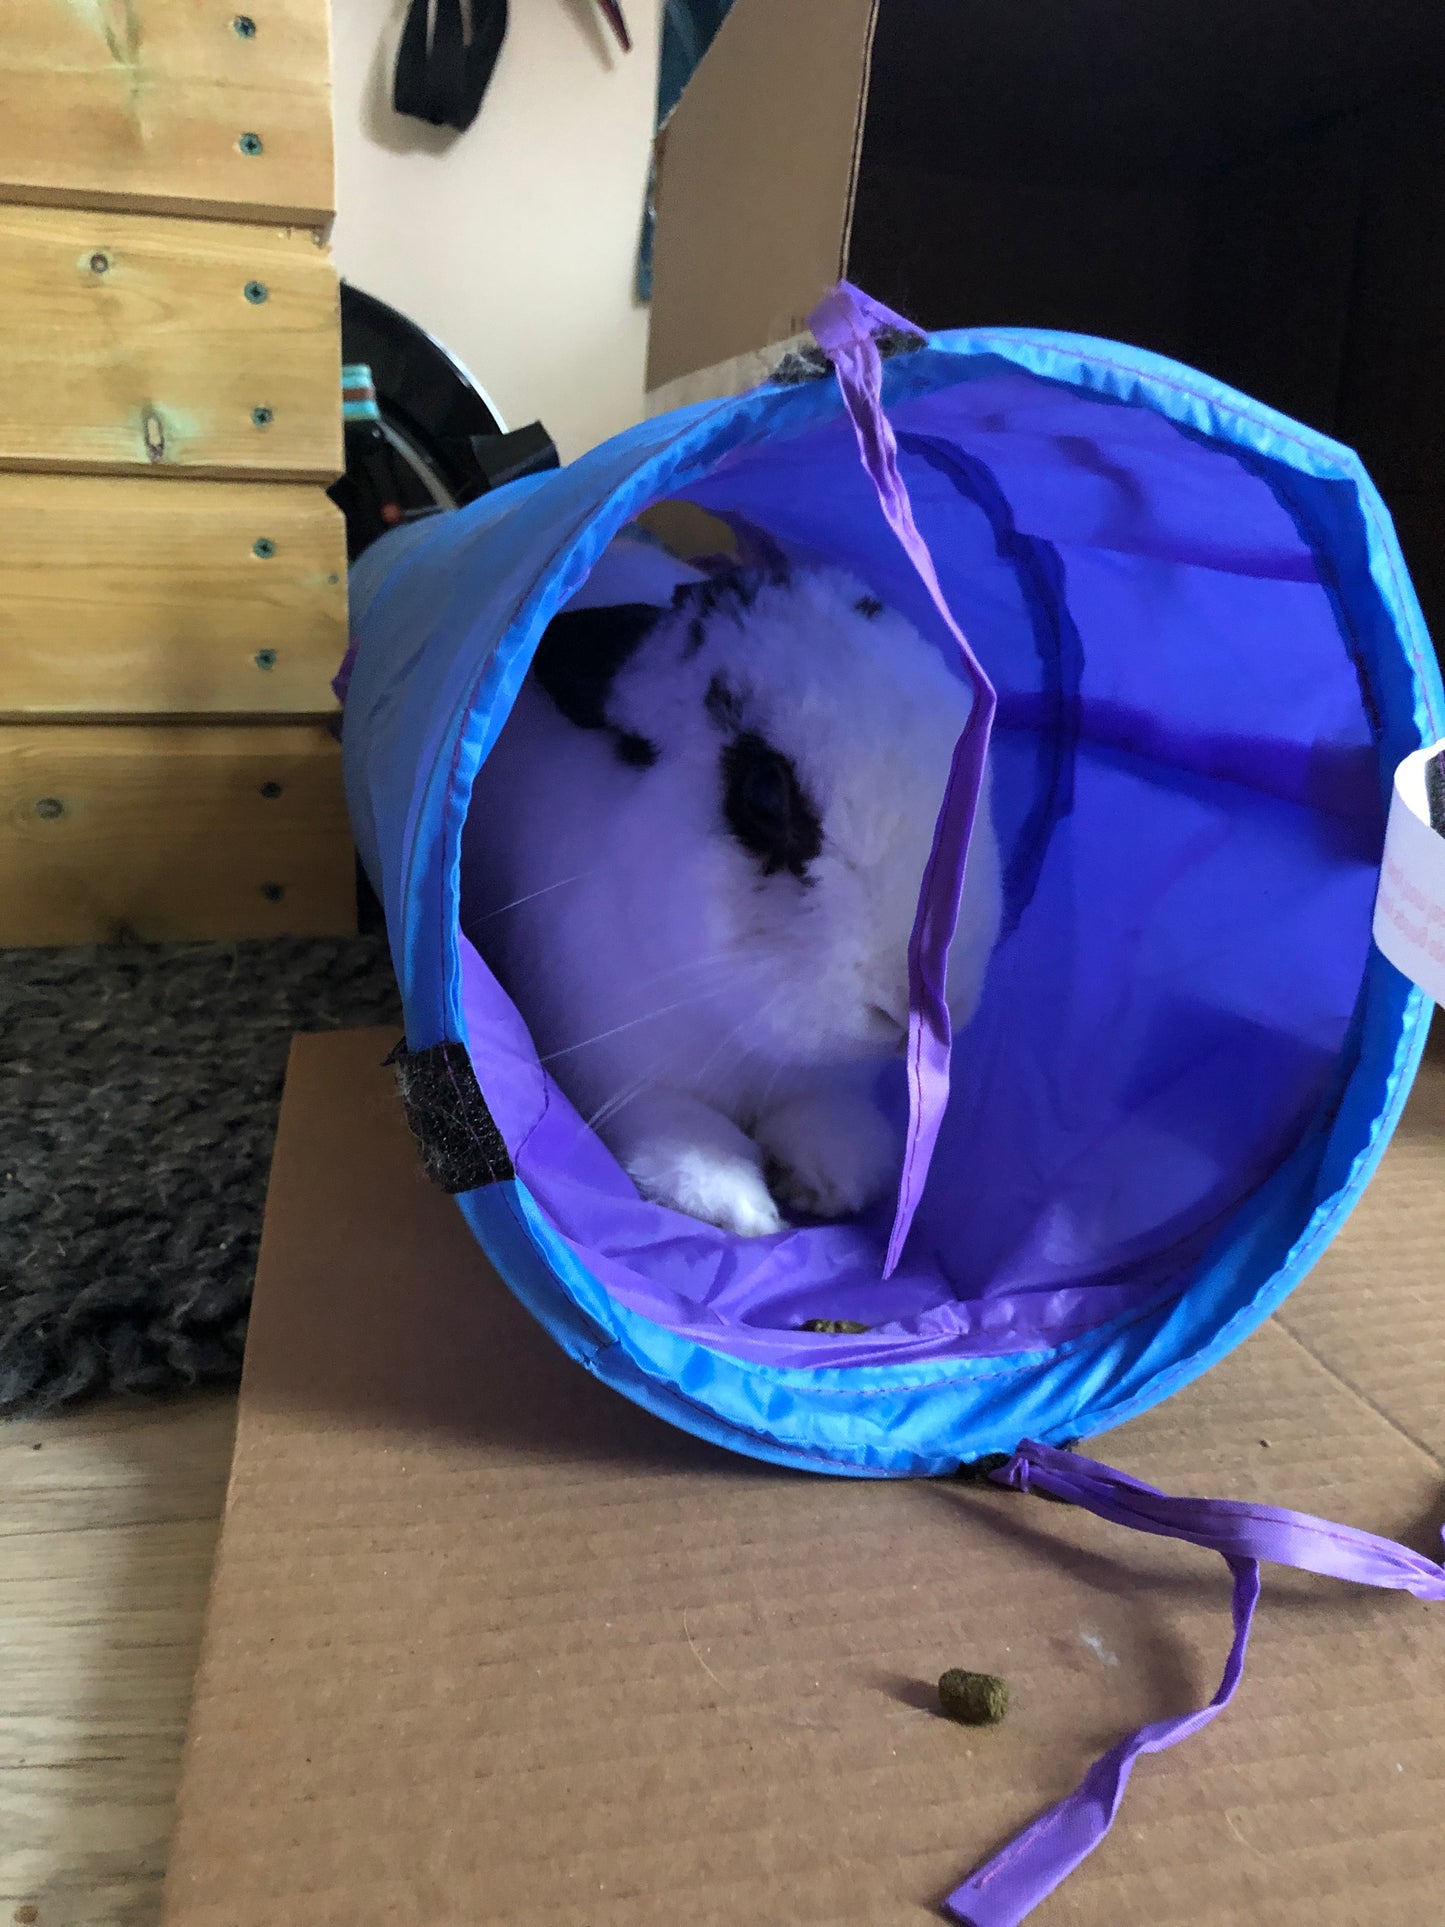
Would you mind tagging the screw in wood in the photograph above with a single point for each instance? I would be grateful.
(261, 417)
(273, 892)
(251, 144)
(270, 791)
(99, 263)
(257, 292)
(49, 807)
(263, 547)
(265, 659)
(244, 26)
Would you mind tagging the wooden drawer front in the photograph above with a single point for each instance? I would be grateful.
(172, 833)
(161, 104)
(128, 597)
(141, 343)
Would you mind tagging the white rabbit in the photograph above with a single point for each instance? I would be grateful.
(693, 859)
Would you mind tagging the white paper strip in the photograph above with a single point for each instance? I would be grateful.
(1410, 906)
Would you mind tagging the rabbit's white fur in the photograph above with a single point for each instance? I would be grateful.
(724, 1027)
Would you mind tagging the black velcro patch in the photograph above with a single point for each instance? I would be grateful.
(810, 363)
(800, 365)
(456, 1134)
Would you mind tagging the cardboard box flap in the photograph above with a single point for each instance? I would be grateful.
(756, 180)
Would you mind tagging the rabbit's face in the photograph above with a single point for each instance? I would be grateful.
(793, 739)
(693, 860)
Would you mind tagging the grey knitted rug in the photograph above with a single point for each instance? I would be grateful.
(138, 1098)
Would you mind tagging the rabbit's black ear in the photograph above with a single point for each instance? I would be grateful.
(582, 650)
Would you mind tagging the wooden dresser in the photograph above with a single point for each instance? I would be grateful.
(172, 573)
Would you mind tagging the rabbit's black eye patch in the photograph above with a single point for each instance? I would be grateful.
(766, 807)
(723, 705)
(634, 750)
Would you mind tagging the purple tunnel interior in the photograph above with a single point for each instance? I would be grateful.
(1187, 792)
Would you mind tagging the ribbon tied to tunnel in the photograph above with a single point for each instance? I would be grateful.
(846, 326)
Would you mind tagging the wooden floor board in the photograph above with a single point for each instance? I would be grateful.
(108, 1523)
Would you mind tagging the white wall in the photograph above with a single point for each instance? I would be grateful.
(515, 242)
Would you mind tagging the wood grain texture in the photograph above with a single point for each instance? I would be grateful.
(131, 344)
(108, 1523)
(170, 833)
(124, 598)
(142, 103)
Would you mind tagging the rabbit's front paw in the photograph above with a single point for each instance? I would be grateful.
(724, 1190)
(680, 1152)
(833, 1152)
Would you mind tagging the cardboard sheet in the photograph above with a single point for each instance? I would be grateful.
(488, 1647)
(758, 170)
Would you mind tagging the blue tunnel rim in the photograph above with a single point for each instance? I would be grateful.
(925, 1420)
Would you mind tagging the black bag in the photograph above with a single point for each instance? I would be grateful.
(442, 74)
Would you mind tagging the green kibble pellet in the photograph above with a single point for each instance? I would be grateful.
(846, 1325)
(977, 1699)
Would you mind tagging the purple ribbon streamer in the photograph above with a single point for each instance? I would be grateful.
(1008, 1888)
(844, 325)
